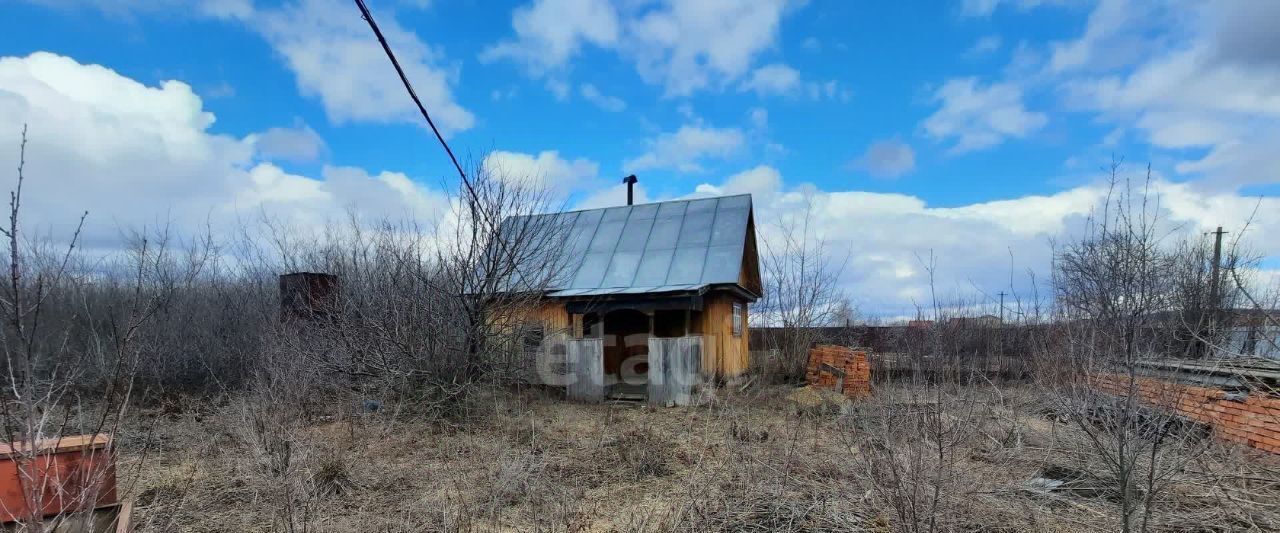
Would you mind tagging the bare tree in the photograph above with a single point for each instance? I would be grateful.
(1120, 286)
(801, 286)
(497, 262)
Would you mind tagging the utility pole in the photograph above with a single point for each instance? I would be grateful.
(1002, 293)
(1214, 294)
(1217, 260)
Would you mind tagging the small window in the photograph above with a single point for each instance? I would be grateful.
(737, 319)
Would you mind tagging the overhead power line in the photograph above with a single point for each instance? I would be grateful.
(368, 17)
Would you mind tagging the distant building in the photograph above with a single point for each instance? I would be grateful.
(984, 321)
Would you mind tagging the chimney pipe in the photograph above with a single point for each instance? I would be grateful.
(631, 183)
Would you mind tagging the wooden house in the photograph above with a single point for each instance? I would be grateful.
(650, 298)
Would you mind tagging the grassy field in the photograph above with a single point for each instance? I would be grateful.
(909, 459)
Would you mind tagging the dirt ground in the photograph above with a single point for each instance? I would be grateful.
(749, 461)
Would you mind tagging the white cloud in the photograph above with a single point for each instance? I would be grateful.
(1190, 79)
(608, 103)
(778, 79)
(984, 8)
(614, 195)
(984, 45)
(687, 46)
(830, 90)
(886, 158)
(1245, 33)
(979, 8)
(882, 234)
(682, 46)
(975, 245)
(220, 90)
(812, 44)
(762, 180)
(335, 58)
(686, 148)
(978, 116)
(299, 143)
(545, 170)
(333, 55)
(392, 195)
(498, 95)
(271, 184)
(133, 154)
(772, 80)
(1033, 215)
(1214, 86)
(549, 33)
(759, 117)
(125, 8)
(311, 203)
(233, 9)
(1109, 39)
(558, 88)
(686, 110)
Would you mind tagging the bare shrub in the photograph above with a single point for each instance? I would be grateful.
(911, 442)
(67, 370)
(801, 292)
(269, 433)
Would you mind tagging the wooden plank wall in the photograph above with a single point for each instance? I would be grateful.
(554, 317)
(550, 314)
(724, 355)
(514, 322)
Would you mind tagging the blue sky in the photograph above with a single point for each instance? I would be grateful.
(975, 129)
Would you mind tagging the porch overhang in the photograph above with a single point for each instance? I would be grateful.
(646, 302)
(643, 298)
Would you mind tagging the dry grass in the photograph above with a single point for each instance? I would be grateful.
(530, 462)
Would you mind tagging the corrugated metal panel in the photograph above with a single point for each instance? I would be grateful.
(652, 247)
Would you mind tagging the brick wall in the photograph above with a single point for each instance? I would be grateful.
(1253, 420)
(857, 371)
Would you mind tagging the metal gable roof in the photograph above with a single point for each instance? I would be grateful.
(649, 248)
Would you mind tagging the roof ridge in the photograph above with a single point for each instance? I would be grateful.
(636, 205)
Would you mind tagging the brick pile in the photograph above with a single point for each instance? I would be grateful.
(854, 364)
(1253, 420)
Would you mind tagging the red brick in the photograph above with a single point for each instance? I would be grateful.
(1255, 422)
